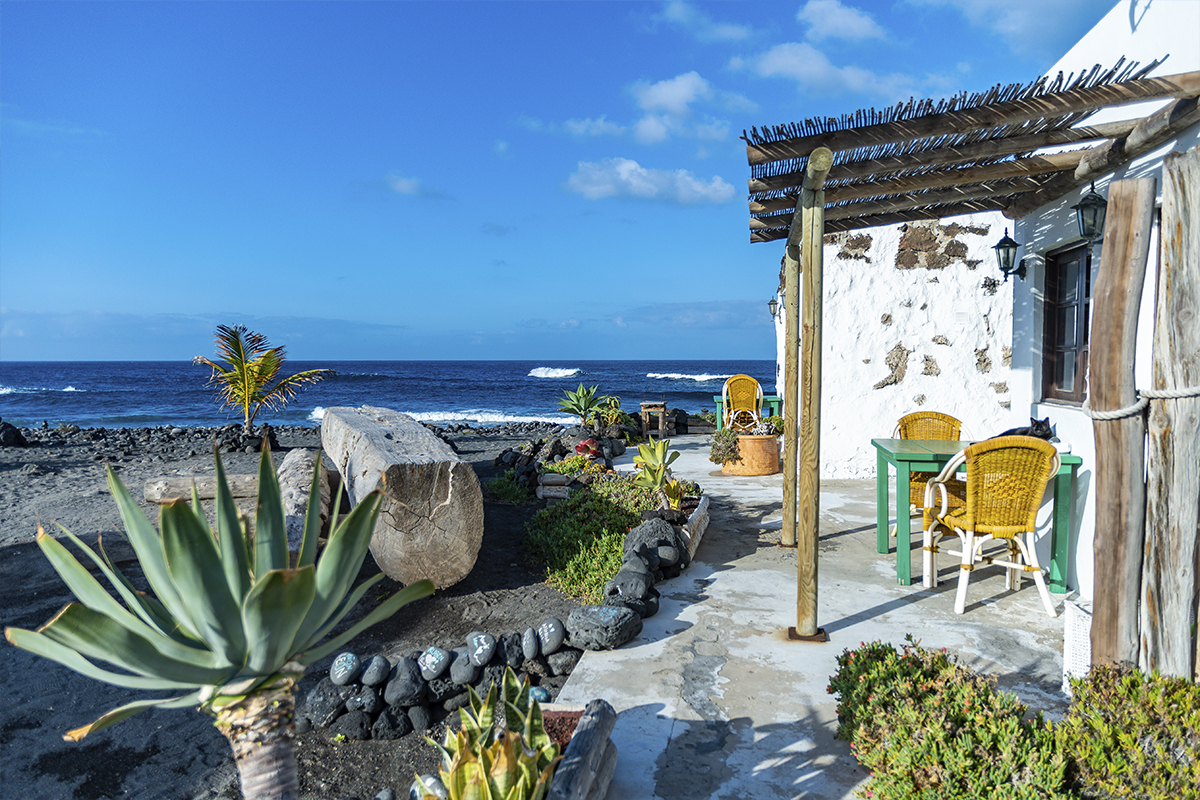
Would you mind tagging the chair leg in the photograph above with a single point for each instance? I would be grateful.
(928, 559)
(1029, 556)
(964, 572)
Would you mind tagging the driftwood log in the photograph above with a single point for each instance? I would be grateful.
(431, 521)
(1169, 588)
(1120, 443)
(590, 759)
(158, 489)
(295, 483)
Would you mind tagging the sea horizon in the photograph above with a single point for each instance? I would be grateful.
(480, 393)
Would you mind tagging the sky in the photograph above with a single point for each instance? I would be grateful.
(436, 180)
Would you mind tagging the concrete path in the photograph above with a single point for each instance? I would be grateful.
(714, 701)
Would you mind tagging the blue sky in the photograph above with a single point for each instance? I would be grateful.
(441, 180)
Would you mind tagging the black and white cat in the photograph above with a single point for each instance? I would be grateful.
(1039, 428)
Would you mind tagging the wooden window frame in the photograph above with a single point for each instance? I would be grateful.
(1054, 349)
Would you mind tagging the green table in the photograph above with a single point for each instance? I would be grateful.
(916, 455)
(772, 407)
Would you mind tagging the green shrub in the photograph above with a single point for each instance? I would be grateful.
(1133, 736)
(725, 447)
(581, 539)
(505, 489)
(572, 465)
(928, 728)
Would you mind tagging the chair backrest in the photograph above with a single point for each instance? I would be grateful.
(1006, 478)
(929, 425)
(741, 393)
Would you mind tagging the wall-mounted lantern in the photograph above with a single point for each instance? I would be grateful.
(773, 307)
(1006, 255)
(1089, 212)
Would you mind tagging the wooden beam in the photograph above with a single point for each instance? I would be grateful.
(812, 206)
(1152, 131)
(858, 223)
(1120, 443)
(954, 194)
(875, 168)
(1034, 165)
(1071, 101)
(791, 367)
(1168, 607)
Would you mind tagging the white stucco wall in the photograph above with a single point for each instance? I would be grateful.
(1141, 31)
(955, 320)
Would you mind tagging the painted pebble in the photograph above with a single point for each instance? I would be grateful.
(346, 669)
(480, 647)
(551, 635)
(433, 662)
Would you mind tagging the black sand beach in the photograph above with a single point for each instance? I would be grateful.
(163, 755)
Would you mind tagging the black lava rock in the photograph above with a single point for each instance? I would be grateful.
(392, 724)
(354, 725)
(602, 627)
(405, 686)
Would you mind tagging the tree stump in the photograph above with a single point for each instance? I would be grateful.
(431, 521)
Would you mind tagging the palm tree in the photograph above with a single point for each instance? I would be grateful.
(252, 366)
(229, 623)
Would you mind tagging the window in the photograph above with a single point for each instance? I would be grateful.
(1068, 312)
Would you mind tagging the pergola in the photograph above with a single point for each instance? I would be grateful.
(1008, 149)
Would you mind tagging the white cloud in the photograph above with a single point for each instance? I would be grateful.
(594, 127)
(829, 19)
(623, 177)
(404, 185)
(500, 147)
(620, 322)
(701, 25)
(672, 96)
(811, 70)
(1028, 27)
(652, 128)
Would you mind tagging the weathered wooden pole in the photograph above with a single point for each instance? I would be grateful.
(812, 209)
(1168, 608)
(791, 376)
(1121, 441)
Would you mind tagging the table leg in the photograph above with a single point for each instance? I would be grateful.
(1060, 531)
(881, 503)
(720, 415)
(903, 525)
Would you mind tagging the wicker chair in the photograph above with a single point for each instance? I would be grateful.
(1006, 478)
(741, 397)
(930, 425)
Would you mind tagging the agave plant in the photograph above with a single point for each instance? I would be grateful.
(581, 402)
(493, 757)
(252, 364)
(230, 623)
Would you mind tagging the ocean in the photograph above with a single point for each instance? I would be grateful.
(136, 394)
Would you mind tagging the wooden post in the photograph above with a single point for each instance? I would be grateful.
(1120, 486)
(1168, 608)
(812, 209)
(791, 376)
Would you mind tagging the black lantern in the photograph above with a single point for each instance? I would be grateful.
(773, 307)
(1090, 211)
(1006, 254)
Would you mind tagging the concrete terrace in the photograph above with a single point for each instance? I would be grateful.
(714, 701)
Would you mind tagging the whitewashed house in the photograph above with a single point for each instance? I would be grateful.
(916, 313)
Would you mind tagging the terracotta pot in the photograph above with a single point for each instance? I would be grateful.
(760, 456)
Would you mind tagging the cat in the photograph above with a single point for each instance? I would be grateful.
(1038, 428)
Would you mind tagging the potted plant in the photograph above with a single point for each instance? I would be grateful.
(755, 452)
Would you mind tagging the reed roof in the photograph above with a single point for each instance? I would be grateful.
(1004, 149)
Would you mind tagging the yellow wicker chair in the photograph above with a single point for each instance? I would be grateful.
(1006, 479)
(741, 397)
(930, 425)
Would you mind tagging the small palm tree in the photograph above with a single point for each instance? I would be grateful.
(229, 623)
(252, 365)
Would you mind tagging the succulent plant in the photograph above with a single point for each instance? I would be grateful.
(229, 625)
(581, 402)
(509, 757)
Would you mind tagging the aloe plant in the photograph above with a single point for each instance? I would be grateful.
(509, 757)
(654, 461)
(229, 625)
(581, 402)
(252, 364)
